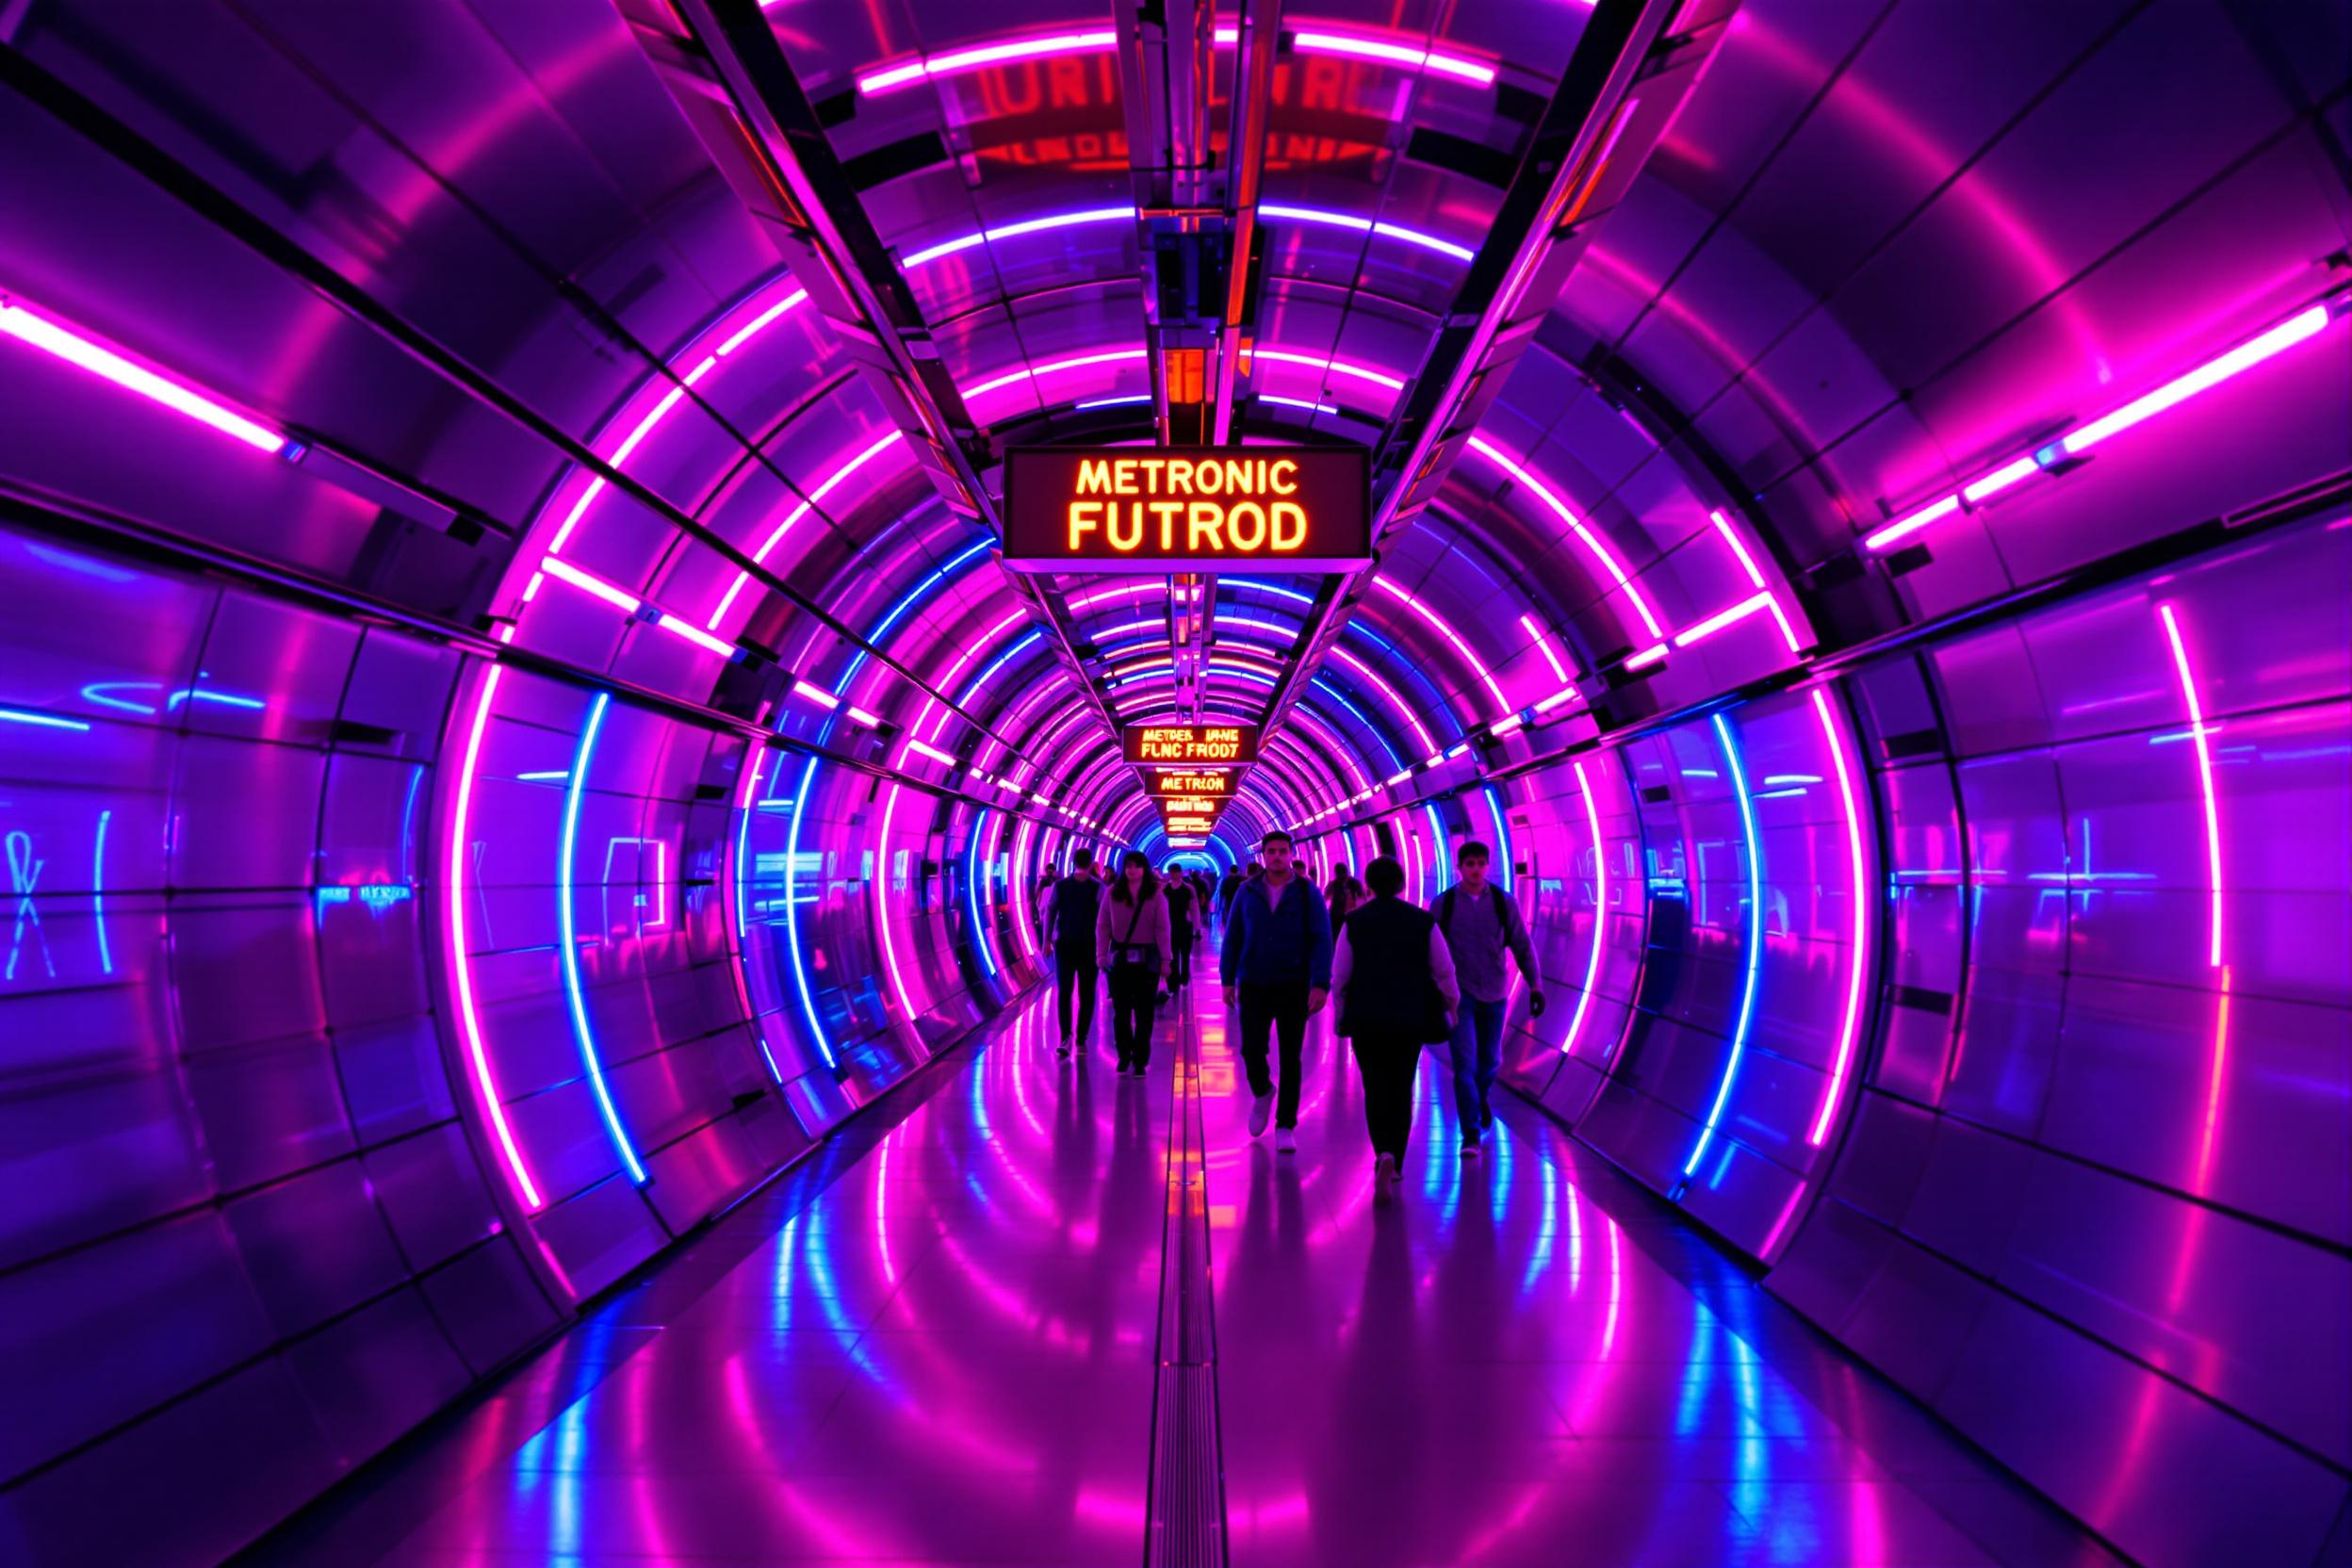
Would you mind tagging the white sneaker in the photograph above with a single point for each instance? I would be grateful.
(1286, 1139)
(1469, 1149)
(1259, 1114)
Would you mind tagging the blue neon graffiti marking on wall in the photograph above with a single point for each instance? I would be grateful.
(1753, 851)
(98, 893)
(569, 942)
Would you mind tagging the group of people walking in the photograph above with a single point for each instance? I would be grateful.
(1401, 977)
(1136, 936)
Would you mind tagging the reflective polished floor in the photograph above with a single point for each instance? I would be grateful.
(935, 1344)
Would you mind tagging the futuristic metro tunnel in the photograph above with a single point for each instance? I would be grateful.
(525, 771)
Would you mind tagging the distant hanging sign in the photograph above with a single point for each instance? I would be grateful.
(1170, 783)
(1153, 509)
(1222, 745)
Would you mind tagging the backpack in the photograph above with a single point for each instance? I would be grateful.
(1076, 900)
(1446, 910)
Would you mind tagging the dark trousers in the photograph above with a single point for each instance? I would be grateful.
(1388, 1060)
(1280, 1005)
(1134, 996)
(1073, 974)
(1180, 941)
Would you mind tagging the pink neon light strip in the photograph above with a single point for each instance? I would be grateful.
(470, 1022)
(2198, 733)
(1858, 873)
(882, 908)
(980, 57)
(87, 354)
(1393, 54)
(1501, 705)
(817, 695)
(1388, 693)
(1336, 367)
(596, 485)
(1032, 373)
(628, 604)
(1647, 657)
(1560, 509)
(825, 486)
(2299, 328)
(1715, 623)
(1600, 914)
(595, 587)
(1559, 671)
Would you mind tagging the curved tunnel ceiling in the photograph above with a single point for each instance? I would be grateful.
(1915, 406)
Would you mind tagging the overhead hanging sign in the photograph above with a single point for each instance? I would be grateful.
(1183, 509)
(1171, 784)
(1191, 744)
(1193, 805)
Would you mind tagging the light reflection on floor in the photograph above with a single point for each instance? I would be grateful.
(945, 1355)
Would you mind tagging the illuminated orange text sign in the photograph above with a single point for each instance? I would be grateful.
(1154, 509)
(1171, 785)
(1191, 744)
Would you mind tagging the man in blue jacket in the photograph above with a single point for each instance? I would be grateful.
(1277, 964)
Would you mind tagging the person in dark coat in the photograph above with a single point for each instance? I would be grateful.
(1177, 889)
(1393, 984)
(1131, 947)
(1070, 917)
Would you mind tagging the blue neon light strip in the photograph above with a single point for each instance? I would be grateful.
(972, 893)
(742, 897)
(791, 915)
(39, 721)
(1754, 849)
(1502, 838)
(569, 942)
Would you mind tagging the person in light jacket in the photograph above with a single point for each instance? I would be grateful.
(1131, 947)
(1390, 969)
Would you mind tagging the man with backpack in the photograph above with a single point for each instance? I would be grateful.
(1277, 969)
(1176, 890)
(1071, 910)
(1481, 923)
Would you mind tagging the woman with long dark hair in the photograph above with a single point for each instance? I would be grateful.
(1131, 946)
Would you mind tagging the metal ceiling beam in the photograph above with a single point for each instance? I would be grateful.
(726, 70)
(1623, 85)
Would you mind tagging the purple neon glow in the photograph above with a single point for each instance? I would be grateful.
(51, 336)
(1328, 219)
(2299, 328)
